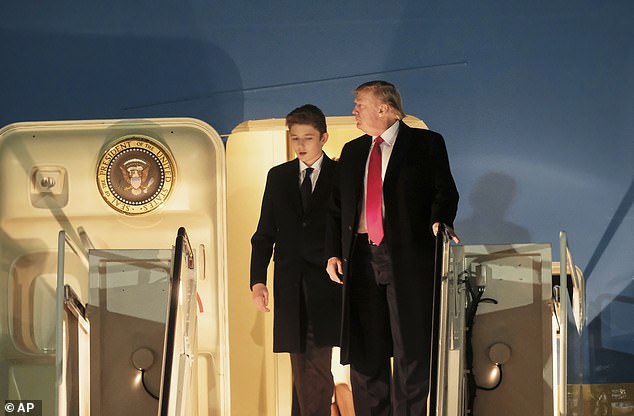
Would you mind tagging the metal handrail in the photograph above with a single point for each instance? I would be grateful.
(563, 320)
(182, 246)
(442, 239)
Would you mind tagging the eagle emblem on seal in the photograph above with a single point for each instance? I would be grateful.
(136, 172)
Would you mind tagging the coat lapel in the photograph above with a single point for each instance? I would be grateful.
(359, 169)
(291, 182)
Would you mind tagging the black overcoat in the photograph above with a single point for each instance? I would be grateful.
(418, 190)
(297, 239)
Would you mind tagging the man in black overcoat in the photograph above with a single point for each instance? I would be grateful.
(393, 189)
(292, 224)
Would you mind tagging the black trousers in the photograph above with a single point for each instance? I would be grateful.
(313, 384)
(378, 389)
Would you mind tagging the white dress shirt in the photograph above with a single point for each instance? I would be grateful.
(313, 176)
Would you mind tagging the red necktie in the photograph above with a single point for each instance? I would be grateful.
(374, 195)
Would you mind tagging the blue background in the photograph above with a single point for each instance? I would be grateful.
(535, 100)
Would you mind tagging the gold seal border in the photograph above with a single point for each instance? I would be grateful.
(163, 157)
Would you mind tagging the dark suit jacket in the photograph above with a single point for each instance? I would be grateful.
(298, 238)
(418, 190)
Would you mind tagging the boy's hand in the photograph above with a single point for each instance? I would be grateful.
(260, 296)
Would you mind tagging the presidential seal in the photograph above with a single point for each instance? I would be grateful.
(136, 175)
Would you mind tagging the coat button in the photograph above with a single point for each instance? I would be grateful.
(304, 224)
(350, 228)
(345, 259)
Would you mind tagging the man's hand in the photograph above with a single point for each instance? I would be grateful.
(260, 296)
(450, 232)
(334, 269)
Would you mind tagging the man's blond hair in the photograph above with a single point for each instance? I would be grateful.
(386, 92)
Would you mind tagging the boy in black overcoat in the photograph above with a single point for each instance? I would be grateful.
(292, 226)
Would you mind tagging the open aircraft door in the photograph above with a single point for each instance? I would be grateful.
(83, 312)
(253, 148)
